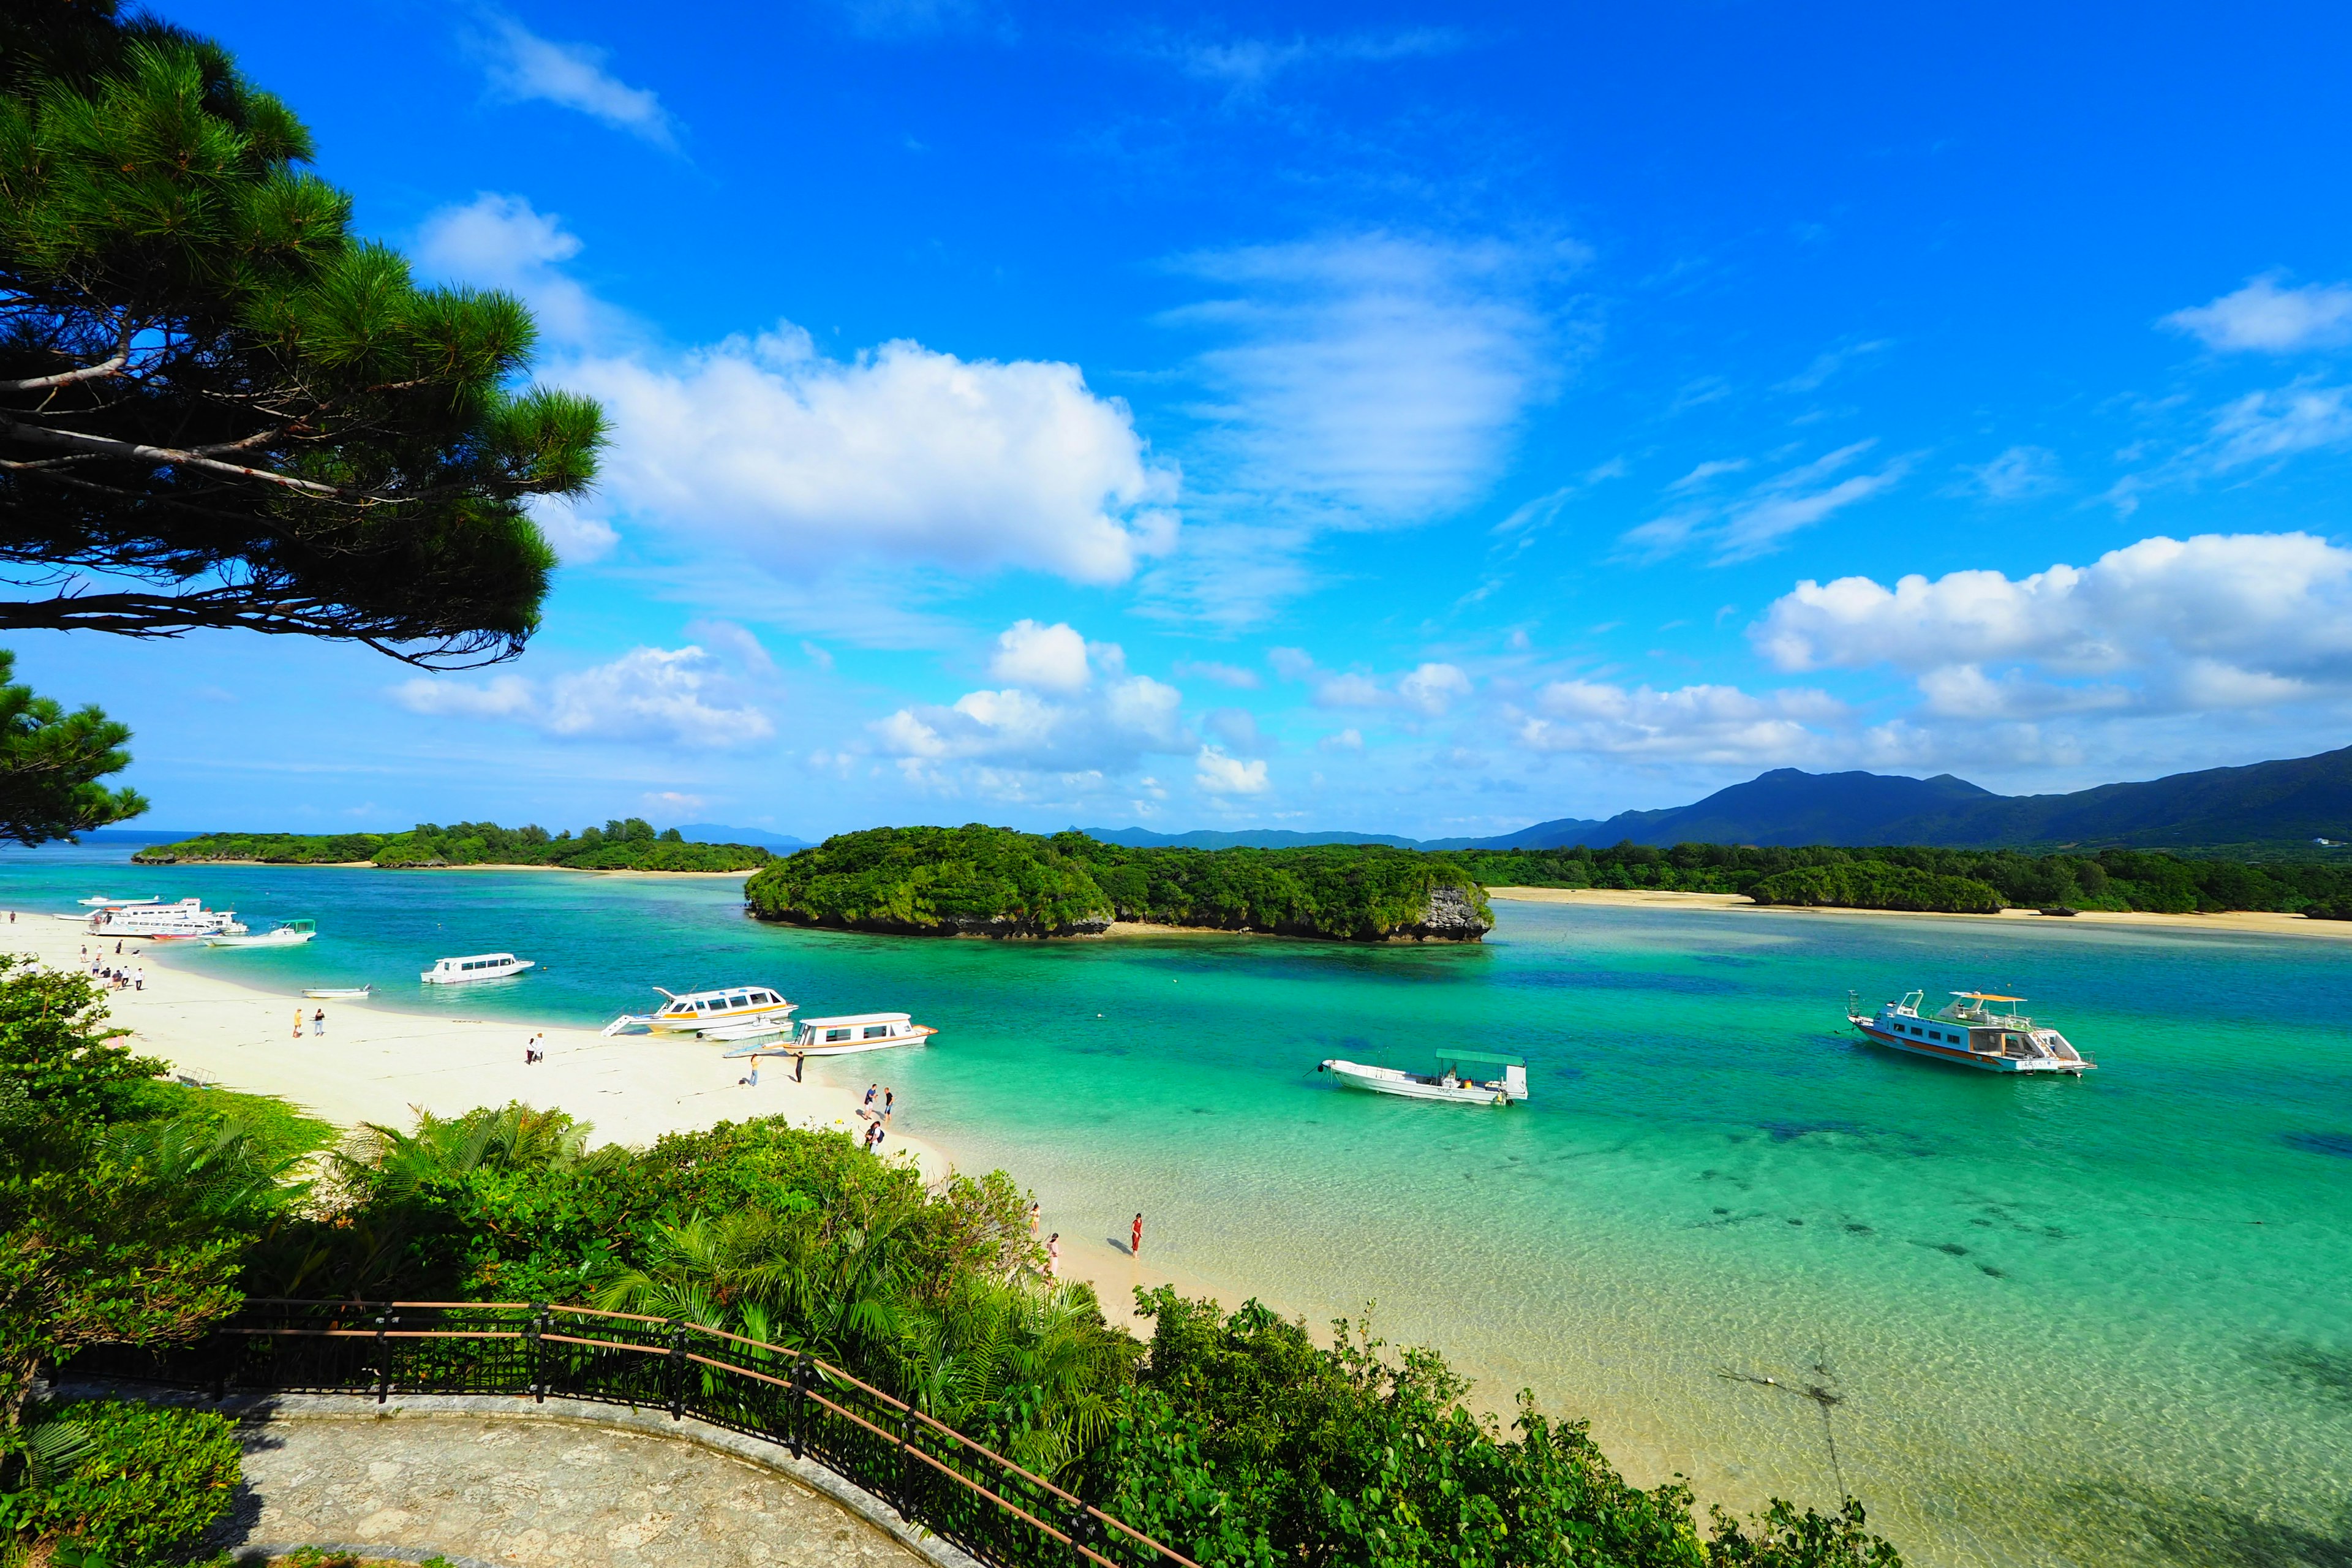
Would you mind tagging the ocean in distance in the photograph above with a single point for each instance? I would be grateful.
(2064, 1323)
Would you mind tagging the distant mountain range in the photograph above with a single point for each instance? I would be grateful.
(712, 833)
(2265, 803)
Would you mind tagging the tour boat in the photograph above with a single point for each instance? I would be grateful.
(700, 1012)
(1976, 1028)
(341, 993)
(477, 966)
(286, 934)
(1449, 1082)
(843, 1036)
(100, 901)
(164, 922)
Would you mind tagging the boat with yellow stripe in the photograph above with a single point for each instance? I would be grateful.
(1981, 1029)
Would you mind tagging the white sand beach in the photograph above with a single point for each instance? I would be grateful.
(377, 1064)
(2254, 923)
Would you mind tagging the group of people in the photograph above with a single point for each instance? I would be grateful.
(1053, 1242)
(115, 977)
(531, 1050)
(876, 1115)
(317, 1022)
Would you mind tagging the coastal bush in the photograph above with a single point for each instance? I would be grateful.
(1875, 885)
(140, 1481)
(993, 880)
(626, 845)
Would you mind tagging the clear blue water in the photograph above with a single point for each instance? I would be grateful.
(2087, 1322)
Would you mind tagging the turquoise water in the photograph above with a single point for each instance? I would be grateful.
(2067, 1323)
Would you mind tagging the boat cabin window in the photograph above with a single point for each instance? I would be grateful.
(832, 1035)
(877, 1031)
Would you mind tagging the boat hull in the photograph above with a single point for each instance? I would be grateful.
(1412, 1086)
(845, 1048)
(267, 938)
(461, 977)
(1983, 1061)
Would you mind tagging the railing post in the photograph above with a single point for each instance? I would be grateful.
(803, 1374)
(384, 1321)
(676, 1371)
(1085, 1530)
(905, 1499)
(531, 1335)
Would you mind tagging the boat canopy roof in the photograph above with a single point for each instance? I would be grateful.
(1985, 996)
(850, 1019)
(1481, 1057)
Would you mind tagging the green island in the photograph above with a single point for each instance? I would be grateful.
(141, 1213)
(625, 844)
(992, 881)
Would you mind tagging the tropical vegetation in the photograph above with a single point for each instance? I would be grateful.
(996, 881)
(627, 844)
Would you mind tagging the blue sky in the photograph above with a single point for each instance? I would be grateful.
(1417, 420)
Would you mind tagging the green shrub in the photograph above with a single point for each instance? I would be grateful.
(152, 1480)
(1876, 885)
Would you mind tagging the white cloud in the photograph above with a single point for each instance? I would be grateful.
(2165, 624)
(524, 67)
(578, 538)
(1712, 724)
(1236, 729)
(1107, 730)
(2264, 318)
(1347, 740)
(2263, 427)
(1432, 689)
(1429, 690)
(1350, 691)
(1759, 522)
(1827, 364)
(904, 453)
(1372, 380)
(499, 241)
(1223, 674)
(647, 694)
(1220, 774)
(1050, 658)
(2017, 474)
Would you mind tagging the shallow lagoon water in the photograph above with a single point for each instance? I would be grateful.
(2066, 1322)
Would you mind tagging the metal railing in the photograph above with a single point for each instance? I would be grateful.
(986, 1503)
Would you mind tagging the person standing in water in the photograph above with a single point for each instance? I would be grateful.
(1135, 1238)
(889, 1102)
(1034, 1207)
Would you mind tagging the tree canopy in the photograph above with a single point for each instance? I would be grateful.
(217, 406)
(50, 763)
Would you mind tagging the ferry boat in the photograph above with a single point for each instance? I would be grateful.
(841, 1036)
(286, 934)
(1449, 1082)
(1976, 1028)
(477, 966)
(164, 923)
(701, 1011)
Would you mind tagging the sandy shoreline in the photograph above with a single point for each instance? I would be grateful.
(2252, 922)
(376, 1063)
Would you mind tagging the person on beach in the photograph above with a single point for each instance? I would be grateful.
(1034, 1207)
(800, 1061)
(1053, 1256)
(298, 1023)
(871, 1089)
(1135, 1238)
(318, 1024)
(879, 1136)
(889, 1101)
(139, 976)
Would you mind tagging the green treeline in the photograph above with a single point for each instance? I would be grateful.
(143, 1212)
(628, 844)
(992, 880)
(1968, 881)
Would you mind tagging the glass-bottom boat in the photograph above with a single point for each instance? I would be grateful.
(1976, 1029)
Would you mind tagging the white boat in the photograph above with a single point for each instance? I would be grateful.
(100, 901)
(475, 966)
(1976, 1029)
(843, 1036)
(164, 922)
(341, 993)
(701, 1011)
(1449, 1082)
(286, 934)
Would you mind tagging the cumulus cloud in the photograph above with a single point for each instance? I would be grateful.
(648, 693)
(1218, 774)
(1428, 690)
(1760, 520)
(2164, 625)
(2263, 317)
(499, 241)
(1717, 724)
(1107, 729)
(1050, 658)
(525, 68)
(903, 453)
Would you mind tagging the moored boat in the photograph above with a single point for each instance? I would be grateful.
(1976, 1029)
(100, 901)
(704, 1012)
(286, 934)
(841, 1036)
(1449, 1082)
(164, 923)
(340, 992)
(475, 966)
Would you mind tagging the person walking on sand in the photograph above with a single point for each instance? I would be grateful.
(318, 1024)
(298, 1023)
(1135, 1238)
(1053, 1256)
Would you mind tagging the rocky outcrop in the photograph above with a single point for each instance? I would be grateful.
(1452, 914)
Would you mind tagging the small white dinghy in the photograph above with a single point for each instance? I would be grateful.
(286, 934)
(341, 993)
(1449, 1082)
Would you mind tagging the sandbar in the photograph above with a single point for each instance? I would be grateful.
(2247, 922)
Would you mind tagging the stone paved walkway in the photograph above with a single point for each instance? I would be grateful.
(537, 1492)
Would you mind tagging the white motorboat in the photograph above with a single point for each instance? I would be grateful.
(477, 966)
(100, 901)
(843, 1036)
(341, 993)
(1976, 1029)
(702, 1012)
(1449, 1082)
(164, 922)
(286, 934)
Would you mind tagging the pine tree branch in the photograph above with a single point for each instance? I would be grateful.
(106, 447)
